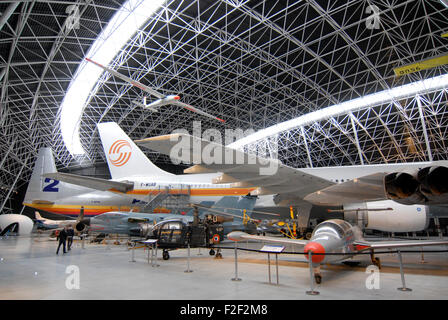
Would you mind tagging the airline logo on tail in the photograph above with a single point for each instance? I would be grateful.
(120, 153)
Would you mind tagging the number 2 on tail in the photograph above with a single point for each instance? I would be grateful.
(52, 186)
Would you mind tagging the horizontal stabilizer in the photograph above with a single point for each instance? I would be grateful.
(90, 182)
(144, 106)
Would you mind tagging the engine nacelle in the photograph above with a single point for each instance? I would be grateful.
(400, 185)
(402, 218)
(433, 181)
(143, 230)
(82, 225)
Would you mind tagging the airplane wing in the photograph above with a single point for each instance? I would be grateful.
(266, 176)
(367, 188)
(367, 245)
(239, 236)
(152, 91)
(90, 182)
(191, 108)
(129, 80)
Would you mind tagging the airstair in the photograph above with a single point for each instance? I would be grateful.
(175, 200)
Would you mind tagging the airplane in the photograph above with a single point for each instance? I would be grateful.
(365, 193)
(332, 237)
(66, 199)
(162, 99)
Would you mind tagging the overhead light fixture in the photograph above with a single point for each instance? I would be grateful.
(126, 21)
(371, 100)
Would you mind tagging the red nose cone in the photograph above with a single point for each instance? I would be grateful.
(176, 98)
(315, 247)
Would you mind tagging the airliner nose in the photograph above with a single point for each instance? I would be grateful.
(315, 247)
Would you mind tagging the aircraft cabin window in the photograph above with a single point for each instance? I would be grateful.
(173, 225)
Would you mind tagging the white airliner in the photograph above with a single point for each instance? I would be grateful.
(162, 99)
(363, 191)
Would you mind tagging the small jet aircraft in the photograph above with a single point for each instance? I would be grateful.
(162, 99)
(333, 237)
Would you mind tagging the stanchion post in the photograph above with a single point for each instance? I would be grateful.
(269, 267)
(188, 260)
(276, 265)
(155, 255)
(152, 254)
(132, 253)
(312, 292)
(236, 264)
(423, 258)
(403, 288)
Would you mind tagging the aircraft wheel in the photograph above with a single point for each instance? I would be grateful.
(219, 255)
(165, 255)
(318, 278)
(377, 262)
(212, 252)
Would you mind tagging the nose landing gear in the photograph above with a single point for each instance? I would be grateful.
(318, 278)
(375, 261)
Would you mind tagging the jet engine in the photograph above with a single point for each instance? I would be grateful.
(388, 216)
(82, 225)
(400, 186)
(143, 230)
(433, 181)
(429, 185)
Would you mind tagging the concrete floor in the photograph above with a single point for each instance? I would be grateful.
(30, 269)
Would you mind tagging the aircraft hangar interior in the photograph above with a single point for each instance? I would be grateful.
(195, 150)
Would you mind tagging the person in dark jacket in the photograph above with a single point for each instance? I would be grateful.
(70, 235)
(62, 236)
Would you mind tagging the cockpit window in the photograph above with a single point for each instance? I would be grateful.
(172, 225)
(329, 227)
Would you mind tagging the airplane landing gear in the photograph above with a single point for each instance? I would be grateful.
(165, 255)
(211, 252)
(218, 254)
(318, 278)
(375, 261)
